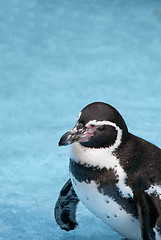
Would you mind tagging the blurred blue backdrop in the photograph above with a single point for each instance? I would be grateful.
(56, 57)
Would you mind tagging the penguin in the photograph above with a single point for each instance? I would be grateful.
(114, 173)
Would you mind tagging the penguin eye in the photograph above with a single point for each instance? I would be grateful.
(100, 128)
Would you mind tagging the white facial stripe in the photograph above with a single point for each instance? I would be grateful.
(119, 131)
(95, 122)
(79, 116)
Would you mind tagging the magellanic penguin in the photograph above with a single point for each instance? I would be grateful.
(115, 174)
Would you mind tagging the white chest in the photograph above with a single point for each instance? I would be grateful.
(107, 210)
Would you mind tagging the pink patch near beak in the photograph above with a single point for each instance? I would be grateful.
(88, 133)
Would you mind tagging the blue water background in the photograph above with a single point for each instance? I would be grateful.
(55, 58)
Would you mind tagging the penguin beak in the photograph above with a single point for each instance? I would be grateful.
(72, 136)
(79, 133)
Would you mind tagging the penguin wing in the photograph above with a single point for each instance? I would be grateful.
(147, 214)
(65, 208)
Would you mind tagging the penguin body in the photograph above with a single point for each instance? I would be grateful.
(114, 173)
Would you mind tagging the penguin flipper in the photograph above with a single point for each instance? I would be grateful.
(146, 221)
(65, 208)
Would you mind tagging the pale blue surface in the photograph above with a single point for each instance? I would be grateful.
(56, 57)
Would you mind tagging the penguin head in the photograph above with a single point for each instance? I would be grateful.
(98, 125)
